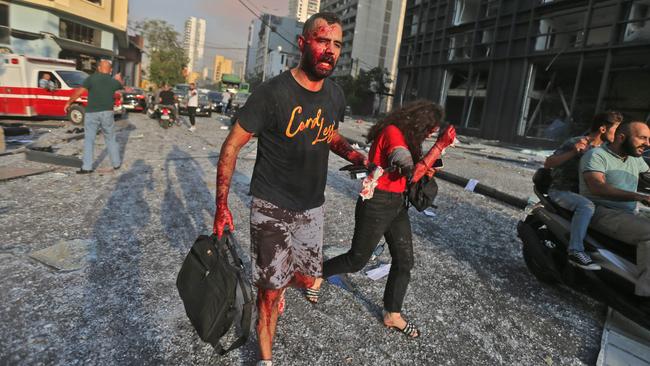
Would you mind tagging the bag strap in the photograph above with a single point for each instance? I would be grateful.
(247, 308)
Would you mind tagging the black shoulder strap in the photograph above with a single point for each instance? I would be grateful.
(247, 309)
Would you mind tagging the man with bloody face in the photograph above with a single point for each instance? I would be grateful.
(295, 117)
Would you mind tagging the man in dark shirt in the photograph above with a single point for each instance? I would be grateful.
(167, 98)
(101, 88)
(565, 163)
(295, 117)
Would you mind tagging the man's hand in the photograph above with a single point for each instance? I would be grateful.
(237, 138)
(222, 219)
(581, 145)
(644, 199)
(66, 108)
(118, 77)
(341, 147)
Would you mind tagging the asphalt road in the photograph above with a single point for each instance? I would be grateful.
(470, 294)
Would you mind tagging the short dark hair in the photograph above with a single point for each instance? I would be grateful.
(330, 18)
(625, 128)
(607, 119)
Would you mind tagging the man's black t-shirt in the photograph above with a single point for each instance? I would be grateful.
(294, 127)
(167, 97)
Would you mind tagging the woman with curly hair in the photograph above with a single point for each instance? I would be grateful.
(396, 142)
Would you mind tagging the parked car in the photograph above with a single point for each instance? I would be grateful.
(134, 99)
(205, 107)
(216, 98)
(238, 101)
(21, 96)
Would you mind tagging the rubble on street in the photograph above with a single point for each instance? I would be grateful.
(115, 302)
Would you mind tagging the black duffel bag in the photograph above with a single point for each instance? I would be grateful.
(207, 284)
(422, 193)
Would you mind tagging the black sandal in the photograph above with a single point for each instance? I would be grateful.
(410, 330)
(312, 295)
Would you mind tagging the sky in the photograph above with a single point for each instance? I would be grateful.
(227, 21)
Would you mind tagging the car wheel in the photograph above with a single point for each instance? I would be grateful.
(76, 114)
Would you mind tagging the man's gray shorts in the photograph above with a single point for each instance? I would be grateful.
(284, 242)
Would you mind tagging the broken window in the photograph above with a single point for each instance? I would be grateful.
(466, 11)
(600, 28)
(546, 108)
(628, 88)
(560, 31)
(464, 97)
(460, 46)
(638, 26)
(4, 23)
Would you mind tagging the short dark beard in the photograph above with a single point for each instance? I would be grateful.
(629, 149)
(308, 64)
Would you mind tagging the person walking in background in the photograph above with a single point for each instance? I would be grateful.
(101, 88)
(192, 104)
(396, 142)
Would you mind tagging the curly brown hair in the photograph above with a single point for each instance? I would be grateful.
(416, 120)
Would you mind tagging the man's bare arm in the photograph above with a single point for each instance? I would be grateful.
(598, 186)
(237, 138)
(559, 159)
(341, 147)
(75, 95)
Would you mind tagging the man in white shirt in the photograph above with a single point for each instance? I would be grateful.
(192, 103)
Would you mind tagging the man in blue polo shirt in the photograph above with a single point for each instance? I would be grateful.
(609, 177)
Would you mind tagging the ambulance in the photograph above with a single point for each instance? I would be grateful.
(21, 96)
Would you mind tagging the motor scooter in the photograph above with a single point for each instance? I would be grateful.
(545, 234)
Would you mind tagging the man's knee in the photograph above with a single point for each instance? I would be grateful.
(586, 207)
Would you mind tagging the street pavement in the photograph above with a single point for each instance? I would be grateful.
(470, 292)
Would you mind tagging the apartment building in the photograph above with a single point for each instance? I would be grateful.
(276, 45)
(527, 71)
(301, 10)
(81, 30)
(194, 43)
(372, 32)
(222, 65)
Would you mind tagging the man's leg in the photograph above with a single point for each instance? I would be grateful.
(272, 267)
(192, 113)
(629, 228)
(108, 128)
(583, 209)
(91, 124)
(267, 321)
(307, 247)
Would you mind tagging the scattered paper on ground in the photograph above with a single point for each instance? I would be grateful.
(471, 185)
(66, 255)
(379, 272)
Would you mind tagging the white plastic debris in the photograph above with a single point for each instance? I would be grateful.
(379, 272)
(429, 212)
(471, 185)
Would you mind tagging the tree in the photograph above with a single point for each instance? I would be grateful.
(360, 91)
(166, 57)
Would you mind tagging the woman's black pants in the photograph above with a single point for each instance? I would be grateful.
(385, 214)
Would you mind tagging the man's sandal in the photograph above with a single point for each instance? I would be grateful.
(312, 295)
(410, 330)
(264, 363)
